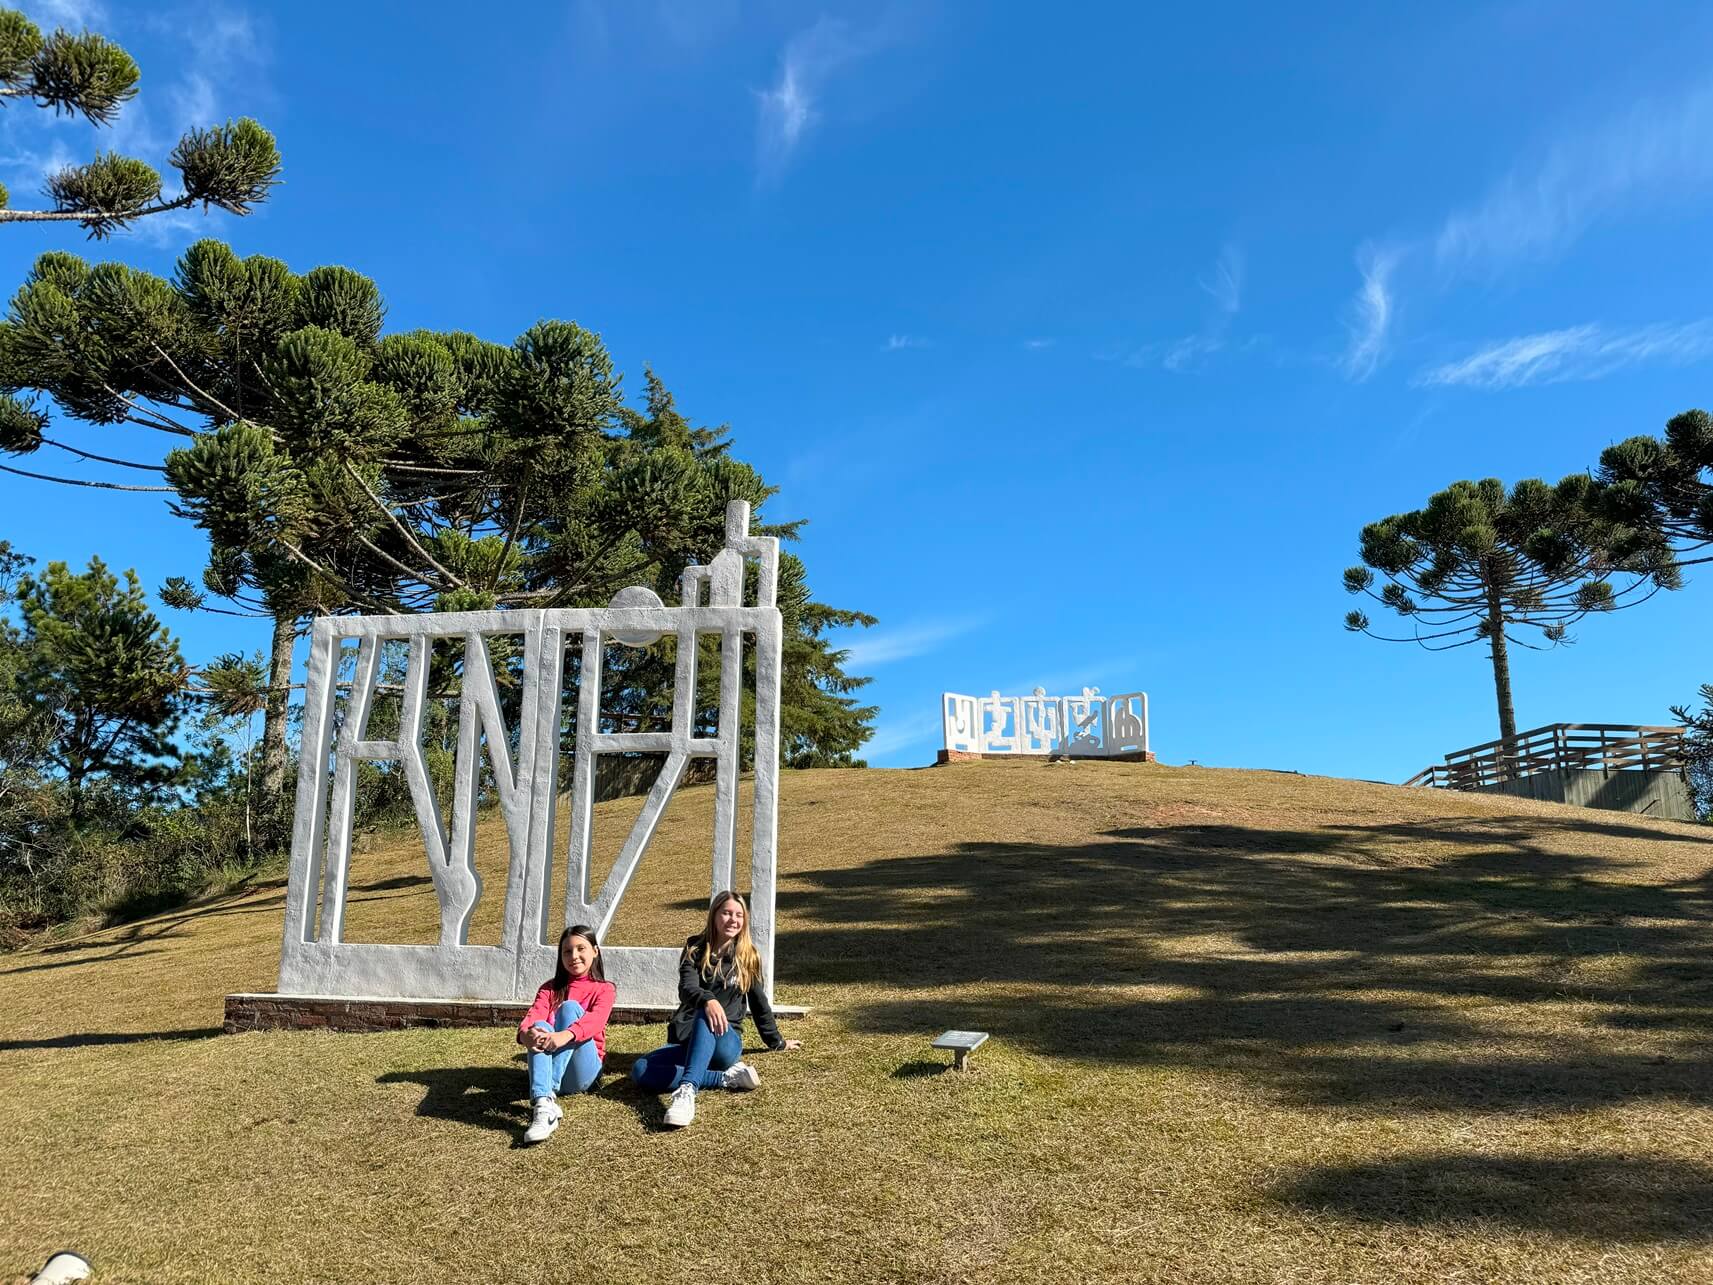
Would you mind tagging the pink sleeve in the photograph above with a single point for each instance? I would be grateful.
(541, 1010)
(594, 1019)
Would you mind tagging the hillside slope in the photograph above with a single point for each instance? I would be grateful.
(1246, 1027)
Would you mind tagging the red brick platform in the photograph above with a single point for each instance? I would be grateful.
(263, 1012)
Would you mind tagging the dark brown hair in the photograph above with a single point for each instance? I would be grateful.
(561, 978)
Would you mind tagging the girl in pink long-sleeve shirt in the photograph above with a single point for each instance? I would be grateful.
(565, 1029)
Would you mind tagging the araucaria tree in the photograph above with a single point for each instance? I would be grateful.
(338, 469)
(231, 166)
(1481, 564)
(1659, 490)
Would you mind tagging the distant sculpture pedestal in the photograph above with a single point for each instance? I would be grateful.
(965, 756)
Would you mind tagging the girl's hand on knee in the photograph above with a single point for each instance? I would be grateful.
(716, 1017)
(790, 1045)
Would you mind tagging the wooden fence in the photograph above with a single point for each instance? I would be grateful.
(1596, 746)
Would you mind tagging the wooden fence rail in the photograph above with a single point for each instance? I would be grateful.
(1596, 746)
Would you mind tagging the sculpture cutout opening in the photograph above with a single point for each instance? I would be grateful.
(1086, 726)
(525, 774)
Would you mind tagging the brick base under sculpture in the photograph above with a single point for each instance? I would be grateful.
(261, 1012)
(966, 756)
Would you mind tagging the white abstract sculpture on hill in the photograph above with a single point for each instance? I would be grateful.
(1090, 725)
(315, 960)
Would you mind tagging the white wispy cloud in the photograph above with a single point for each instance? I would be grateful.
(1225, 285)
(228, 64)
(73, 15)
(917, 639)
(1190, 352)
(898, 343)
(1037, 344)
(692, 24)
(221, 37)
(1178, 355)
(1657, 152)
(791, 107)
(1371, 312)
(902, 732)
(1573, 354)
(38, 163)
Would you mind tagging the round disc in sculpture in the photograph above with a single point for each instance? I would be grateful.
(635, 596)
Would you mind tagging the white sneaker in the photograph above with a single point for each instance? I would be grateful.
(741, 1077)
(62, 1269)
(682, 1109)
(544, 1122)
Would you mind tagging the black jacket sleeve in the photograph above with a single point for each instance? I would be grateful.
(762, 1012)
(692, 991)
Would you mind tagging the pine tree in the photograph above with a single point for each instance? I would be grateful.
(231, 166)
(1698, 750)
(104, 673)
(1480, 564)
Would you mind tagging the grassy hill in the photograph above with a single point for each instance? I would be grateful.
(1247, 1027)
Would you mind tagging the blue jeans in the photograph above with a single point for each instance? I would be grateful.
(571, 1069)
(699, 1061)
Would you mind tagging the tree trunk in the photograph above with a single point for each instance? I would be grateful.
(1501, 671)
(278, 701)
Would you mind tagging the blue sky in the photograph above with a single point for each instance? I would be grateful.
(1086, 343)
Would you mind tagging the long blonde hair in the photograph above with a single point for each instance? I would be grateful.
(745, 959)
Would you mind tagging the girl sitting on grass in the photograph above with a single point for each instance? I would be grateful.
(719, 977)
(565, 1029)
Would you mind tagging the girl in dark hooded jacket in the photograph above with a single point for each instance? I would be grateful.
(719, 979)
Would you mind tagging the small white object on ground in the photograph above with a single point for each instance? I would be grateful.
(62, 1267)
(682, 1109)
(544, 1122)
(962, 1044)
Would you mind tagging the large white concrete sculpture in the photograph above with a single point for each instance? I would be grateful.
(1090, 725)
(315, 960)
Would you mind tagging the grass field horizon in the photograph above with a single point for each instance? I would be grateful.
(1247, 1026)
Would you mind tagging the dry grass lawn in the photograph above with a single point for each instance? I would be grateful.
(1246, 1027)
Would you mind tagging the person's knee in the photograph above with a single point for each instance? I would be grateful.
(639, 1070)
(585, 1071)
(570, 1011)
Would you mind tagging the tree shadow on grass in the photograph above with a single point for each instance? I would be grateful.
(1605, 1198)
(394, 884)
(130, 951)
(1312, 961)
(91, 1039)
(133, 941)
